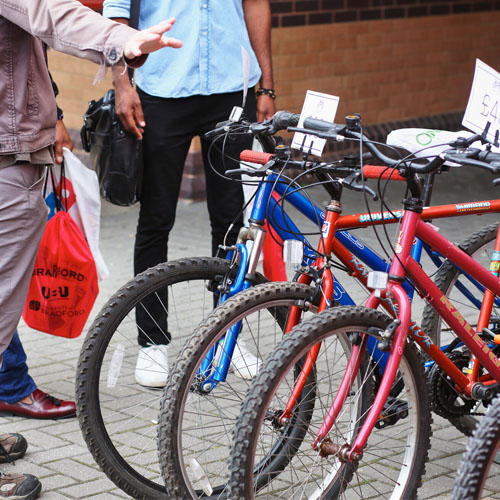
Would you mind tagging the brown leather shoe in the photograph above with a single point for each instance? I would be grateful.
(43, 406)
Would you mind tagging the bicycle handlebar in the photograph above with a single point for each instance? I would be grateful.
(255, 156)
(369, 171)
(220, 128)
(377, 172)
(463, 155)
(484, 159)
(279, 121)
(317, 125)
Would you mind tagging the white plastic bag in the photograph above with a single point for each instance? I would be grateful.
(423, 142)
(83, 203)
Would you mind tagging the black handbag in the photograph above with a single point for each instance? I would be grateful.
(116, 155)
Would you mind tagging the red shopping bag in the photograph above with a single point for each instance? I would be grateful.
(63, 286)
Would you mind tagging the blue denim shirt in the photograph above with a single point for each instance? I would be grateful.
(210, 62)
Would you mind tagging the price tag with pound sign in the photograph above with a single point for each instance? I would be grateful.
(483, 107)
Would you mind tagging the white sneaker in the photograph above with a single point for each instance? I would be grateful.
(151, 369)
(243, 363)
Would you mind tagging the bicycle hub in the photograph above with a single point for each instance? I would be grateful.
(327, 448)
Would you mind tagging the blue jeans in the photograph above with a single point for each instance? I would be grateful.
(15, 382)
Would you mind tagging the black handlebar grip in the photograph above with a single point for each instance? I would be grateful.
(284, 119)
(488, 156)
(318, 125)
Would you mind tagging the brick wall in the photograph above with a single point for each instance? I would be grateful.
(307, 12)
(386, 69)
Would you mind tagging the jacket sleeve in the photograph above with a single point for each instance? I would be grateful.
(68, 26)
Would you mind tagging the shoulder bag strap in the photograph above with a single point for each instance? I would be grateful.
(135, 9)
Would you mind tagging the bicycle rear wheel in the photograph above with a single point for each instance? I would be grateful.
(459, 288)
(467, 296)
(479, 470)
(393, 460)
(194, 434)
(118, 417)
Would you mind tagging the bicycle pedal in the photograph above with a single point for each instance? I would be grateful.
(394, 410)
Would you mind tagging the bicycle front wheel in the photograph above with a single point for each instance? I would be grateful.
(394, 458)
(196, 419)
(118, 417)
(478, 473)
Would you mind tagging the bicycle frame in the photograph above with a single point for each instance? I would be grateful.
(404, 265)
(349, 249)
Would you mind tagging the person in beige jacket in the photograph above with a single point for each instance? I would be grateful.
(27, 134)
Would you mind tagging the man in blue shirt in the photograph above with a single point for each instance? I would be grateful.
(179, 97)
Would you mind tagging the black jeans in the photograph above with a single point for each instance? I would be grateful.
(171, 124)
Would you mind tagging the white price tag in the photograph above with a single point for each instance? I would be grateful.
(316, 105)
(483, 106)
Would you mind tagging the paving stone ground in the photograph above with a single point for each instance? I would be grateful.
(57, 453)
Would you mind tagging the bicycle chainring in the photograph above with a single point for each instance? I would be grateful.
(445, 400)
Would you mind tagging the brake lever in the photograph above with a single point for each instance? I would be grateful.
(465, 142)
(252, 172)
(496, 182)
(220, 128)
(350, 183)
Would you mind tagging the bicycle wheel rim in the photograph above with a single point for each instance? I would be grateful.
(119, 420)
(393, 459)
(188, 415)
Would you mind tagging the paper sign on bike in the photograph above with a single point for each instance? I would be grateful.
(483, 105)
(316, 105)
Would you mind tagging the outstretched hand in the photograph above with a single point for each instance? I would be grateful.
(150, 40)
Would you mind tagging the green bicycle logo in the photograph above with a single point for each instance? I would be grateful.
(425, 138)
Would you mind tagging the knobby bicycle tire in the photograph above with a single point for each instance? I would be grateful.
(118, 418)
(195, 425)
(471, 480)
(379, 473)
